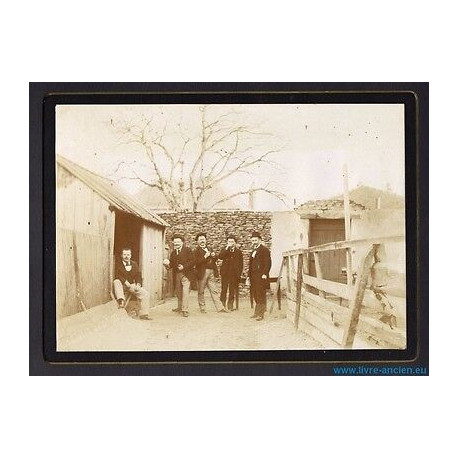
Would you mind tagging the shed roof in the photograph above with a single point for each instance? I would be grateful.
(111, 192)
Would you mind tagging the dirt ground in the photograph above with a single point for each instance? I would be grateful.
(106, 328)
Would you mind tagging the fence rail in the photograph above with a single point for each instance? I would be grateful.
(337, 320)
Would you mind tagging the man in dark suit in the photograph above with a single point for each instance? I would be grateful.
(231, 261)
(128, 279)
(258, 274)
(207, 272)
(182, 264)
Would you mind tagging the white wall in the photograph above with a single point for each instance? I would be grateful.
(381, 223)
(288, 233)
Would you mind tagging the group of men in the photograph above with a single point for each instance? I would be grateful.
(202, 264)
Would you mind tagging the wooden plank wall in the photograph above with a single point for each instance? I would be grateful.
(167, 279)
(84, 218)
(65, 275)
(345, 316)
(151, 257)
(325, 320)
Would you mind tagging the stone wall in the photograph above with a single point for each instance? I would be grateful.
(217, 226)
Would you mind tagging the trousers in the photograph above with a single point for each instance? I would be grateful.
(182, 286)
(140, 293)
(258, 289)
(209, 281)
(230, 282)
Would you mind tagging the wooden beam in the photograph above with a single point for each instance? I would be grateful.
(381, 331)
(338, 289)
(328, 214)
(320, 337)
(342, 245)
(111, 253)
(346, 196)
(305, 267)
(288, 273)
(347, 225)
(357, 298)
(319, 273)
(349, 266)
(79, 283)
(323, 323)
(291, 297)
(300, 263)
(340, 313)
(278, 289)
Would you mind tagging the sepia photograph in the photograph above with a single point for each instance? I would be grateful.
(230, 227)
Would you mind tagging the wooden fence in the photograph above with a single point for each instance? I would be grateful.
(331, 312)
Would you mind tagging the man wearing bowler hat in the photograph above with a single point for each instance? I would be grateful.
(230, 259)
(181, 262)
(258, 274)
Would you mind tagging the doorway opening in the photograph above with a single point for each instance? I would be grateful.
(127, 235)
(332, 263)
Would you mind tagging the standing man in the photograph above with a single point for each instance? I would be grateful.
(231, 261)
(258, 274)
(207, 272)
(182, 264)
(128, 279)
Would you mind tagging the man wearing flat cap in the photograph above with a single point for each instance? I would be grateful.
(258, 273)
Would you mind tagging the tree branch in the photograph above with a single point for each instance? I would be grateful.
(279, 195)
(244, 164)
(226, 148)
(138, 178)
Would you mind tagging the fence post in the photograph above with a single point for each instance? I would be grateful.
(278, 288)
(300, 264)
(357, 298)
(347, 225)
(288, 274)
(319, 273)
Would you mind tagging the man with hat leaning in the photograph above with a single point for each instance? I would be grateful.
(258, 274)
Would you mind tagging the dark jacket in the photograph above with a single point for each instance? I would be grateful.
(134, 276)
(232, 263)
(203, 263)
(260, 264)
(185, 258)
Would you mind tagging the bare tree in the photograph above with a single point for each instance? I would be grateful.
(185, 167)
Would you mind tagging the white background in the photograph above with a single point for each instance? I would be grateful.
(211, 41)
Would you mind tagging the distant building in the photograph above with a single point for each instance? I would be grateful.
(373, 213)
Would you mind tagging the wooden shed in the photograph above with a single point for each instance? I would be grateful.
(95, 219)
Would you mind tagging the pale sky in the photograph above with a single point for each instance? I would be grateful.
(315, 140)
